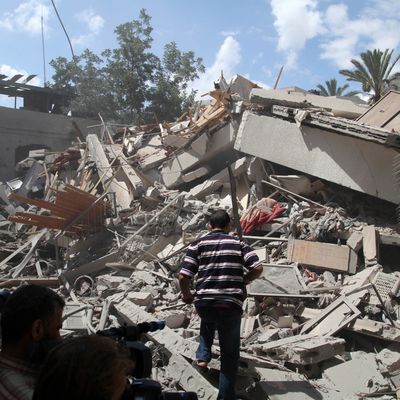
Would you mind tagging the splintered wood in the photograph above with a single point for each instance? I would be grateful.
(81, 210)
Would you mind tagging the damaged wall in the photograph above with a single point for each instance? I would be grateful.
(23, 130)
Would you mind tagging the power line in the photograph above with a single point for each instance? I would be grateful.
(65, 31)
(43, 53)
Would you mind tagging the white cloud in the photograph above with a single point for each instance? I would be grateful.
(342, 36)
(230, 33)
(226, 60)
(94, 24)
(26, 17)
(296, 21)
(9, 71)
(376, 26)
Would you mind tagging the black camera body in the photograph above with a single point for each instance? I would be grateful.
(142, 387)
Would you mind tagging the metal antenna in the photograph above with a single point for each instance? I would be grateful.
(43, 53)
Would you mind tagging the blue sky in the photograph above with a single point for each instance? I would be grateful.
(313, 39)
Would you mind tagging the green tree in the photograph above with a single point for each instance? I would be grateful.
(85, 80)
(130, 84)
(331, 88)
(131, 67)
(169, 96)
(373, 72)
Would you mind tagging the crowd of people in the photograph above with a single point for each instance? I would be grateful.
(35, 363)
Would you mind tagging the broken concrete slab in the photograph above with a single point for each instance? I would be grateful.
(284, 385)
(179, 369)
(339, 106)
(106, 173)
(302, 349)
(208, 150)
(336, 158)
(144, 299)
(279, 279)
(333, 318)
(360, 374)
(323, 255)
(212, 184)
(389, 358)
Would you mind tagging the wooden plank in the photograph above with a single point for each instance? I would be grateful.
(323, 255)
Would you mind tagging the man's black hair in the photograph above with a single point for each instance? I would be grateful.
(219, 219)
(24, 306)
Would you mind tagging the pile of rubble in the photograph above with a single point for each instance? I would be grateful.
(107, 221)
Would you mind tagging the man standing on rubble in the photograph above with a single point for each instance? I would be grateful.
(219, 260)
(31, 319)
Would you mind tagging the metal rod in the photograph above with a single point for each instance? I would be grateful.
(265, 238)
(293, 194)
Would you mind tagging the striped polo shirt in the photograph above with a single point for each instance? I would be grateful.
(219, 260)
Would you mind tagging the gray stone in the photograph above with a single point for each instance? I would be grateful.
(358, 375)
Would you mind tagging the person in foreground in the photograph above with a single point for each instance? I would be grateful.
(84, 368)
(219, 260)
(31, 317)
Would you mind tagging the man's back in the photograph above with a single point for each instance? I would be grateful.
(218, 259)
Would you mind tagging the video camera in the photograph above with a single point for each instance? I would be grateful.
(141, 387)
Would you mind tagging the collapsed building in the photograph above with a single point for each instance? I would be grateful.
(107, 220)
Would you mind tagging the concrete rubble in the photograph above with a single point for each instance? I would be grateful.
(107, 221)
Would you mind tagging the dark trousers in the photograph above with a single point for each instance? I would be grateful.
(227, 323)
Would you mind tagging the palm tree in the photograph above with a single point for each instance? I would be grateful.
(331, 88)
(373, 72)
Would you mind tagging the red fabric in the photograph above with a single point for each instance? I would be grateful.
(262, 212)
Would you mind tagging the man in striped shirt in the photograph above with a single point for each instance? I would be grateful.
(220, 261)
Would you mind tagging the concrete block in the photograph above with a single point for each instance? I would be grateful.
(358, 375)
(283, 385)
(302, 349)
(175, 320)
(174, 343)
(140, 298)
(389, 358)
(355, 241)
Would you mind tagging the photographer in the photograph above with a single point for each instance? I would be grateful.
(84, 368)
(31, 316)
